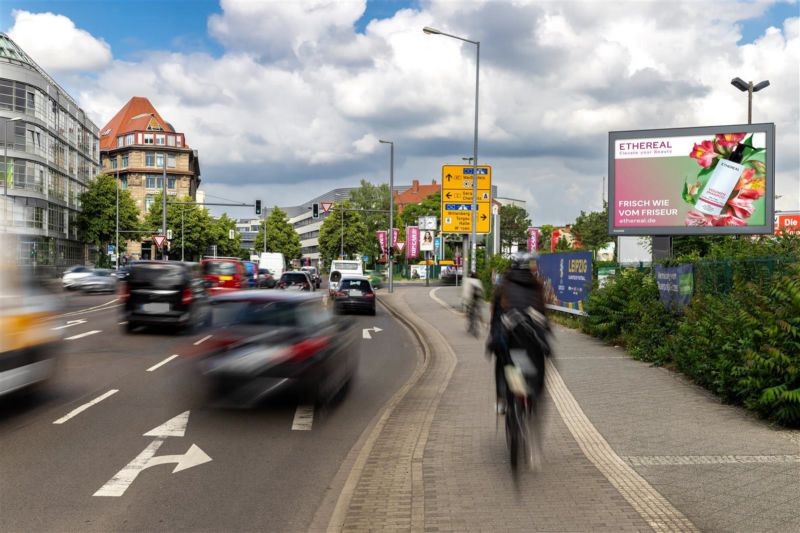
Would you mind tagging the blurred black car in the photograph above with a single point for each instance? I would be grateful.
(159, 293)
(354, 293)
(297, 280)
(313, 274)
(99, 280)
(275, 341)
(265, 279)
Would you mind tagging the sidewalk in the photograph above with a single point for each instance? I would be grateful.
(628, 447)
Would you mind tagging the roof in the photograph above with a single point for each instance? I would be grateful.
(416, 193)
(134, 116)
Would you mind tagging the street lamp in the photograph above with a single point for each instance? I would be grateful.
(116, 246)
(390, 234)
(473, 237)
(749, 88)
(5, 170)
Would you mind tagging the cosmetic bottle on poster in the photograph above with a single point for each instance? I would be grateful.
(721, 183)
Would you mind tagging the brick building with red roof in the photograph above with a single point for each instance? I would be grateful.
(135, 146)
(415, 194)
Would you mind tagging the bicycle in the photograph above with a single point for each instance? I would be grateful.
(520, 411)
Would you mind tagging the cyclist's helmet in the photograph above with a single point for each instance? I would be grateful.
(522, 260)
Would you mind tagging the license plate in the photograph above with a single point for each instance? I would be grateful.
(226, 278)
(155, 308)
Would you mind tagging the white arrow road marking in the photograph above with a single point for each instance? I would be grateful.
(365, 332)
(204, 339)
(82, 408)
(303, 418)
(174, 427)
(71, 323)
(82, 335)
(117, 485)
(162, 363)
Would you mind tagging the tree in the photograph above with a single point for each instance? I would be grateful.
(374, 200)
(591, 229)
(430, 206)
(344, 228)
(281, 237)
(220, 230)
(514, 224)
(97, 221)
(545, 234)
(191, 225)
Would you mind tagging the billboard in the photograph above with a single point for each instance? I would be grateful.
(692, 181)
(787, 223)
(568, 279)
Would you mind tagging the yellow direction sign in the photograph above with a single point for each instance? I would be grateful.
(457, 199)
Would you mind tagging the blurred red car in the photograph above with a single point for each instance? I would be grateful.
(224, 274)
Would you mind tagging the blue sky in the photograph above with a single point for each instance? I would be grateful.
(132, 27)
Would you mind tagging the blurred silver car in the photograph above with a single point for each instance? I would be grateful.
(73, 275)
(98, 280)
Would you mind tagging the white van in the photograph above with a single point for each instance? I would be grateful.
(340, 267)
(274, 261)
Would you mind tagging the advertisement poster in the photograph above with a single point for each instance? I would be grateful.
(533, 239)
(412, 242)
(395, 235)
(382, 241)
(675, 285)
(437, 247)
(568, 280)
(787, 224)
(419, 272)
(692, 181)
(426, 243)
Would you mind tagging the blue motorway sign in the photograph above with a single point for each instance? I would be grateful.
(458, 207)
(468, 170)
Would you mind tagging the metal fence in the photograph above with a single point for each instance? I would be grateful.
(720, 276)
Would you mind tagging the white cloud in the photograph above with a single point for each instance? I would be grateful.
(56, 44)
(298, 100)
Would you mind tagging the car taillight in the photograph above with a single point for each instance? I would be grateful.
(307, 348)
(186, 296)
(124, 292)
(369, 295)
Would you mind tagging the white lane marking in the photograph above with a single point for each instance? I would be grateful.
(69, 324)
(123, 322)
(174, 427)
(117, 485)
(100, 307)
(203, 339)
(303, 418)
(82, 408)
(162, 363)
(82, 335)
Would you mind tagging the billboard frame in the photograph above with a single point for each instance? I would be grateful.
(768, 128)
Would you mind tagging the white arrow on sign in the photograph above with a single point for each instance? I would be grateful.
(71, 323)
(365, 332)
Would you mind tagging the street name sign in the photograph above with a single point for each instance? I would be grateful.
(457, 199)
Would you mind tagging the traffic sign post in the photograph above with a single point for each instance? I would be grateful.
(457, 197)
(159, 240)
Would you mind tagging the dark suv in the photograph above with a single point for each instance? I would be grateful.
(158, 293)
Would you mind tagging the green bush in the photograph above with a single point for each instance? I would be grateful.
(647, 337)
(614, 307)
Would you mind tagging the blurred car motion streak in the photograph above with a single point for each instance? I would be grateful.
(265, 342)
(98, 280)
(28, 344)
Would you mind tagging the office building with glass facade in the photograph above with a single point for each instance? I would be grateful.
(50, 152)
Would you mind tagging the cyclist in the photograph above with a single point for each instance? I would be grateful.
(472, 292)
(518, 321)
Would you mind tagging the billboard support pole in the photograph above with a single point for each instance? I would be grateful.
(662, 247)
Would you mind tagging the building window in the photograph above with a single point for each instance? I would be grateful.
(120, 141)
(148, 138)
(170, 160)
(153, 181)
(149, 159)
(160, 140)
(170, 140)
(148, 201)
(113, 162)
(123, 182)
(179, 140)
(160, 160)
(170, 183)
(125, 161)
(129, 139)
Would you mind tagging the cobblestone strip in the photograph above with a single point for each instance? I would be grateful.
(676, 460)
(649, 503)
(387, 483)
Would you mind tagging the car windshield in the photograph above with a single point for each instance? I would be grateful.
(355, 284)
(255, 313)
(294, 277)
(219, 268)
(101, 272)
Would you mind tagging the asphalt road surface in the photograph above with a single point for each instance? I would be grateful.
(74, 455)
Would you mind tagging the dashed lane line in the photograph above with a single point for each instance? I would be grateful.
(82, 335)
(162, 363)
(82, 408)
(203, 339)
(303, 418)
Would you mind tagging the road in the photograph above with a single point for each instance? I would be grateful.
(67, 448)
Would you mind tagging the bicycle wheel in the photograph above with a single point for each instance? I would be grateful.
(513, 432)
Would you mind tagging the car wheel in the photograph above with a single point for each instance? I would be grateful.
(372, 311)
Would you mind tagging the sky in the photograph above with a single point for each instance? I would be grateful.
(285, 100)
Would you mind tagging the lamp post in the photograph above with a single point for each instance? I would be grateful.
(473, 236)
(5, 169)
(164, 255)
(116, 237)
(749, 88)
(390, 234)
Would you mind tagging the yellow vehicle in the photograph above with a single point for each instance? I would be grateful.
(28, 344)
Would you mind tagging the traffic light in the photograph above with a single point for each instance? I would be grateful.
(258, 207)
(314, 210)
